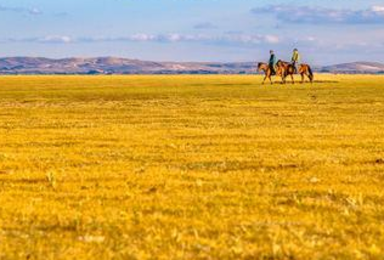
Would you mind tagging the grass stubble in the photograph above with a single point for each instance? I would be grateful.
(191, 167)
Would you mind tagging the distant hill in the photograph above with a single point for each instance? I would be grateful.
(112, 65)
(355, 68)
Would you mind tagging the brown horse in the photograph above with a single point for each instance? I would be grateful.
(289, 70)
(268, 72)
(305, 69)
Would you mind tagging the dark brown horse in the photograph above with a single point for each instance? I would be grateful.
(305, 69)
(289, 70)
(268, 72)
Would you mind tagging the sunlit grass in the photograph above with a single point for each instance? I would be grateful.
(191, 167)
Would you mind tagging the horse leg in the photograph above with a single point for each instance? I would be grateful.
(293, 80)
(302, 78)
(282, 77)
(310, 78)
(264, 80)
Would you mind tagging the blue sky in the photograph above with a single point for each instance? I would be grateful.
(326, 32)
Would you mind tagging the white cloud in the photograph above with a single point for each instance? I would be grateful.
(378, 9)
(54, 39)
(35, 11)
(31, 11)
(272, 39)
(227, 38)
(322, 15)
(142, 37)
(221, 39)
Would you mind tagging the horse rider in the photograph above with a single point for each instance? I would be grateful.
(272, 62)
(295, 59)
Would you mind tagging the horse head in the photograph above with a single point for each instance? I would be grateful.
(261, 66)
(280, 63)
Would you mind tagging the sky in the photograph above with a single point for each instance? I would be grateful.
(325, 32)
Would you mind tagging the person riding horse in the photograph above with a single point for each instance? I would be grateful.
(295, 59)
(272, 62)
(285, 69)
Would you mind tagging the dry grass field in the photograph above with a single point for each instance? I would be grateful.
(191, 167)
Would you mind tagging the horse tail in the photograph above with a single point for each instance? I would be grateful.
(311, 76)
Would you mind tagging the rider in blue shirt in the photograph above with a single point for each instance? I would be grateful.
(272, 62)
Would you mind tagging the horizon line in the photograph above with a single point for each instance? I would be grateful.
(169, 61)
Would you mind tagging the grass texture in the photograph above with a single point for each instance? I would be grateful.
(191, 167)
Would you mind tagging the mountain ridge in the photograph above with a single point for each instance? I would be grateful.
(116, 65)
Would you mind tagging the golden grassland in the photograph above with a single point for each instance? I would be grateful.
(191, 167)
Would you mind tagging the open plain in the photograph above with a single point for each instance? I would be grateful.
(191, 167)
